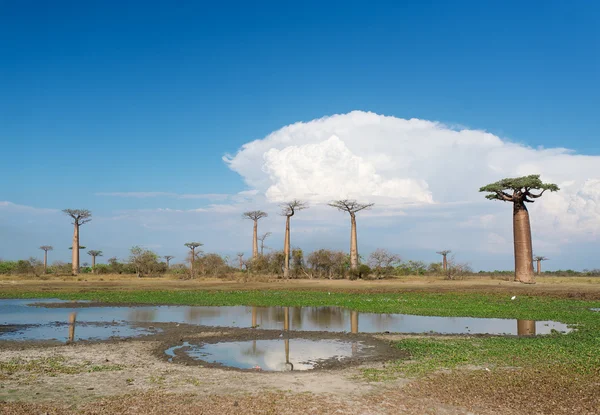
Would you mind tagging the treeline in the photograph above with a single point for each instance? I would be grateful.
(320, 264)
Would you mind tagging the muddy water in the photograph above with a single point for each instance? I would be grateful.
(23, 320)
(274, 355)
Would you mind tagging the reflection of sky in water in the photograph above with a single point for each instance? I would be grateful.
(595, 309)
(334, 319)
(270, 355)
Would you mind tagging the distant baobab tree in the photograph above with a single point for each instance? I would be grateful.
(241, 260)
(168, 258)
(539, 260)
(352, 207)
(288, 209)
(93, 253)
(518, 192)
(255, 216)
(193, 246)
(80, 217)
(262, 238)
(444, 254)
(46, 248)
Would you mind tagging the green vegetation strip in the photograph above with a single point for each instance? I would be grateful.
(578, 351)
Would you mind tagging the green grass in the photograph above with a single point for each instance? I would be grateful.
(578, 351)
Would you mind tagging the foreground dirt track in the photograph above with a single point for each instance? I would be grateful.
(576, 287)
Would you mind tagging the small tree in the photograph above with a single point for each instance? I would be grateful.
(46, 248)
(383, 262)
(168, 258)
(193, 246)
(144, 261)
(288, 209)
(94, 254)
(255, 216)
(539, 260)
(262, 241)
(80, 217)
(352, 207)
(444, 255)
(518, 191)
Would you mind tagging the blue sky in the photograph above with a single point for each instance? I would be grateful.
(109, 97)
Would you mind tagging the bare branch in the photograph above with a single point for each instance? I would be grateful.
(349, 205)
(79, 216)
(46, 248)
(255, 215)
(289, 208)
(534, 195)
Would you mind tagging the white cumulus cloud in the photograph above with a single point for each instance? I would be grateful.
(396, 162)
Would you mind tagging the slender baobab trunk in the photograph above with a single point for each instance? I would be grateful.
(286, 318)
(94, 263)
(523, 247)
(75, 256)
(192, 262)
(445, 266)
(168, 263)
(286, 249)
(45, 261)
(539, 266)
(255, 240)
(254, 317)
(353, 243)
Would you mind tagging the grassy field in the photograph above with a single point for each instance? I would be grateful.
(522, 374)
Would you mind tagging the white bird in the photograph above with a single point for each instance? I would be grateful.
(513, 297)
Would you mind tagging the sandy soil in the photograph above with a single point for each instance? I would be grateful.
(575, 287)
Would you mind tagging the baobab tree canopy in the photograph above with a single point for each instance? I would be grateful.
(540, 258)
(193, 245)
(80, 216)
(94, 253)
(255, 215)
(443, 253)
(520, 187)
(289, 208)
(350, 206)
(46, 248)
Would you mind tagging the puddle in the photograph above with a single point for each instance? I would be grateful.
(274, 355)
(595, 309)
(29, 322)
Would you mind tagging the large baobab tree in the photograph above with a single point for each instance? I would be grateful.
(352, 207)
(255, 216)
(80, 217)
(444, 255)
(193, 246)
(262, 238)
(168, 258)
(288, 209)
(539, 260)
(46, 248)
(518, 191)
(93, 253)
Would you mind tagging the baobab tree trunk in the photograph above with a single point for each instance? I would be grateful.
(539, 266)
(45, 261)
(94, 263)
(75, 256)
(353, 243)
(523, 247)
(525, 327)
(255, 240)
(286, 249)
(445, 263)
(354, 321)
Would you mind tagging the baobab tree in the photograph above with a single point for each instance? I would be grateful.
(288, 209)
(518, 191)
(255, 216)
(93, 253)
(539, 260)
(80, 217)
(262, 238)
(168, 258)
(444, 255)
(46, 248)
(352, 207)
(241, 260)
(193, 246)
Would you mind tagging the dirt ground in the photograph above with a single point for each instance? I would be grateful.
(134, 376)
(573, 287)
